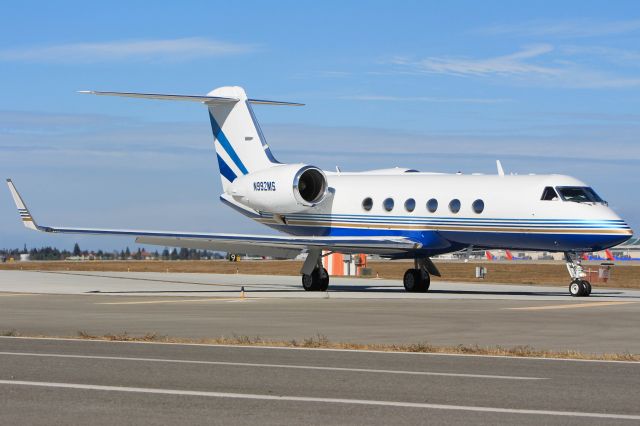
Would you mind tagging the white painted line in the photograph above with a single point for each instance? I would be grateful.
(291, 348)
(320, 400)
(568, 306)
(261, 365)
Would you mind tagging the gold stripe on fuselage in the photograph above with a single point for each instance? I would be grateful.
(471, 228)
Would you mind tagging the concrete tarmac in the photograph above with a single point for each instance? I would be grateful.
(354, 310)
(82, 382)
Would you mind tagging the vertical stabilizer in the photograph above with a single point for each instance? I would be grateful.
(240, 145)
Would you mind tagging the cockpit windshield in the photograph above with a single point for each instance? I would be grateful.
(579, 194)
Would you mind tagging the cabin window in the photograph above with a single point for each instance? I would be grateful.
(478, 206)
(410, 204)
(454, 205)
(549, 194)
(432, 205)
(388, 204)
(579, 194)
(367, 203)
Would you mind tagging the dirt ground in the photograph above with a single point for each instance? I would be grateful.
(548, 273)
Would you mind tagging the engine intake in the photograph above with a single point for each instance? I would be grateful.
(309, 185)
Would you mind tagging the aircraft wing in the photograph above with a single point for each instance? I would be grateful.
(261, 245)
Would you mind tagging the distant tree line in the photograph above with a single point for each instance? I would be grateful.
(52, 253)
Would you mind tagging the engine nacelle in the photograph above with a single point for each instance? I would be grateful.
(287, 188)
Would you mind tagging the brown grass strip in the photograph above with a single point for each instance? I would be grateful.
(320, 341)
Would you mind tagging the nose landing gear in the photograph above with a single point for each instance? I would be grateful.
(579, 287)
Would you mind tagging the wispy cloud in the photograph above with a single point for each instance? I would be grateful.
(539, 65)
(165, 49)
(574, 28)
(384, 98)
(517, 63)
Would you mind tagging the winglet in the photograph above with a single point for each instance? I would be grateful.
(27, 220)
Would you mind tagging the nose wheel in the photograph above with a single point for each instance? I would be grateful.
(579, 287)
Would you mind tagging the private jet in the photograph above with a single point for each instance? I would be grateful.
(395, 213)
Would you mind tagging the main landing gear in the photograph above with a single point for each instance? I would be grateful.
(579, 287)
(418, 278)
(314, 276)
(318, 280)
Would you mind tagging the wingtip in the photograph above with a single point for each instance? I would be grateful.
(9, 180)
(86, 92)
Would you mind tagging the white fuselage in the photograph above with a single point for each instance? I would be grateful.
(513, 214)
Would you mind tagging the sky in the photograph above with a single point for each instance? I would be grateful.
(545, 86)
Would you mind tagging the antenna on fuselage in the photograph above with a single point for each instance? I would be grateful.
(500, 169)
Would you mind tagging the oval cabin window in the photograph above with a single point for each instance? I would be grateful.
(432, 205)
(410, 205)
(367, 203)
(454, 205)
(478, 206)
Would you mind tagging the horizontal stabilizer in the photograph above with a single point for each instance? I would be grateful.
(209, 100)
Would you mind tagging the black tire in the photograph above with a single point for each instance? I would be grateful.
(426, 281)
(324, 280)
(577, 288)
(318, 280)
(411, 280)
(587, 287)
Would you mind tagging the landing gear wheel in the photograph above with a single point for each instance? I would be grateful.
(577, 288)
(587, 287)
(324, 280)
(410, 280)
(416, 281)
(318, 280)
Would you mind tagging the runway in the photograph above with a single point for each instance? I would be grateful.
(353, 311)
(65, 382)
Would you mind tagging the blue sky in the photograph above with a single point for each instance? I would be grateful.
(547, 87)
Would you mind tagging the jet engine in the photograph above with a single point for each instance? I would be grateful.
(286, 188)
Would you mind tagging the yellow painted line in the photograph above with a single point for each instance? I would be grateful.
(569, 306)
(150, 302)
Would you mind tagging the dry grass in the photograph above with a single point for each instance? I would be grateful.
(548, 273)
(322, 342)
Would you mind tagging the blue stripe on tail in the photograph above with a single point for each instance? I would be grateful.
(222, 138)
(225, 170)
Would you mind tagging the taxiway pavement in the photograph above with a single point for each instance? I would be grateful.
(354, 310)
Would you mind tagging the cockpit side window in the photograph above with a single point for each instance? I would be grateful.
(579, 194)
(549, 194)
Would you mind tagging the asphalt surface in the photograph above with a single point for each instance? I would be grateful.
(275, 308)
(71, 382)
